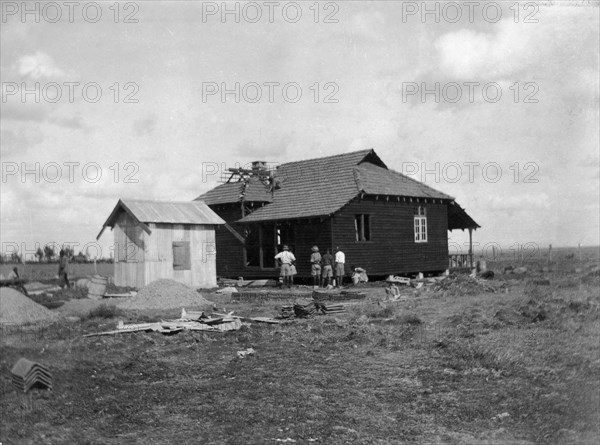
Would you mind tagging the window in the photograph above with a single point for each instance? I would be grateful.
(420, 217)
(181, 255)
(362, 227)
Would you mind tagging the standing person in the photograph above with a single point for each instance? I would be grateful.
(340, 260)
(63, 269)
(286, 258)
(315, 266)
(293, 271)
(14, 274)
(327, 261)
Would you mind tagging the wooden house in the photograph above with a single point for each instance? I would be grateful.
(155, 240)
(382, 220)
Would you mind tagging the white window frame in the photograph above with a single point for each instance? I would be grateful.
(420, 228)
(362, 235)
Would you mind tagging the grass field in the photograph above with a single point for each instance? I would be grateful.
(518, 366)
(48, 271)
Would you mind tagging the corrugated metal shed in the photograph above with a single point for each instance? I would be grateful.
(166, 212)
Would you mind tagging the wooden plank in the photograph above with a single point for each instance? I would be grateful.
(239, 237)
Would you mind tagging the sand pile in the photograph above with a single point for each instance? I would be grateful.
(17, 308)
(166, 294)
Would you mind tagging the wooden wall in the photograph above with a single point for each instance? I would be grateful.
(152, 257)
(309, 233)
(159, 254)
(392, 248)
(230, 256)
(130, 244)
(230, 251)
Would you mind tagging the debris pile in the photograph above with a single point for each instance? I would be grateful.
(338, 296)
(460, 284)
(246, 353)
(299, 310)
(18, 309)
(165, 294)
(189, 320)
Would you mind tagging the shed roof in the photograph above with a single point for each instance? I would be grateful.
(167, 212)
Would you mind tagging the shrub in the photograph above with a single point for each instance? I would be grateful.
(104, 311)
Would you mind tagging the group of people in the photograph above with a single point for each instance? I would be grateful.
(63, 270)
(323, 268)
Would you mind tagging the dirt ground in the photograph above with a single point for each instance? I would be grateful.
(517, 366)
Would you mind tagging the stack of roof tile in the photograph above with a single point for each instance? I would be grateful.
(27, 374)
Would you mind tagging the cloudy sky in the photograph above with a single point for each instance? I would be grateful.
(498, 107)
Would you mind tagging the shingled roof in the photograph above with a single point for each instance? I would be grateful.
(321, 186)
(375, 180)
(313, 187)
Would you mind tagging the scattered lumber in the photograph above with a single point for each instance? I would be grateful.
(398, 280)
(201, 323)
(299, 310)
(256, 319)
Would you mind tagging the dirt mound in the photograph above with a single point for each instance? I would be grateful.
(165, 294)
(17, 308)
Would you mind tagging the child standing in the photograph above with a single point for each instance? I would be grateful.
(315, 266)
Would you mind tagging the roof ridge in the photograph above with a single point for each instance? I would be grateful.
(156, 201)
(365, 150)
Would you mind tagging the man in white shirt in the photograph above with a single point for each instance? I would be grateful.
(340, 260)
(286, 258)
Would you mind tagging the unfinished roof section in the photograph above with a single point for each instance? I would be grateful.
(231, 192)
(166, 212)
(459, 219)
(314, 187)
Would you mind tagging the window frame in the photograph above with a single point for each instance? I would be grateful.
(420, 229)
(362, 235)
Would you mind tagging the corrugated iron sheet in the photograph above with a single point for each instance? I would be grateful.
(191, 212)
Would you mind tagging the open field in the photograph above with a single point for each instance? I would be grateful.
(48, 271)
(461, 366)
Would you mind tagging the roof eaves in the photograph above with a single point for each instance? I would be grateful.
(110, 220)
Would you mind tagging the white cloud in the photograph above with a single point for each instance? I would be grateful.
(37, 66)
(513, 48)
(467, 53)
